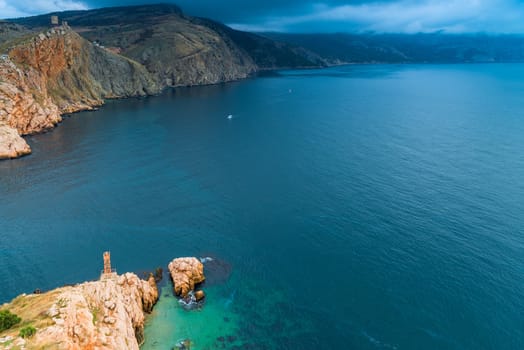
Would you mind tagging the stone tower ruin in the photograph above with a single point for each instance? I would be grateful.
(107, 272)
(107, 262)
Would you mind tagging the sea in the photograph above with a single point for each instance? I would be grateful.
(356, 207)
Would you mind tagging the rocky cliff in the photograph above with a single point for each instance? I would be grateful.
(177, 48)
(56, 72)
(117, 52)
(77, 75)
(105, 314)
(174, 49)
(11, 144)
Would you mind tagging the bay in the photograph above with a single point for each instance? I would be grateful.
(359, 207)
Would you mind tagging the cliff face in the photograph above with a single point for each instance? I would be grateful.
(106, 314)
(180, 53)
(120, 52)
(266, 53)
(73, 74)
(24, 102)
(24, 108)
(180, 49)
(173, 47)
(11, 144)
(59, 72)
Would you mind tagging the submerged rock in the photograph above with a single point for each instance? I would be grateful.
(218, 271)
(158, 274)
(183, 345)
(186, 273)
(190, 302)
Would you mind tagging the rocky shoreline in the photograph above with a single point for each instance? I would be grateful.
(47, 70)
(106, 314)
(58, 72)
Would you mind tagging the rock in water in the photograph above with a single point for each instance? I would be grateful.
(199, 295)
(11, 144)
(183, 345)
(186, 273)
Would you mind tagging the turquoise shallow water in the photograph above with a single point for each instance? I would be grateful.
(214, 325)
(361, 207)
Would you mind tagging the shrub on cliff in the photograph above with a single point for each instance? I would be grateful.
(8, 320)
(27, 332)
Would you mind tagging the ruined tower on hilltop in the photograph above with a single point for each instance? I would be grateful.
(107, 272)
(54, 20)
(107, 262)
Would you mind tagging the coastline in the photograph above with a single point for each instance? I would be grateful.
(74, 109)
(105, 314)
(78, 108)
(96, 105)
(109, 313)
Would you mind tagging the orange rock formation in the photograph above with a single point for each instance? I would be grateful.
(59, 72)
(186, 273)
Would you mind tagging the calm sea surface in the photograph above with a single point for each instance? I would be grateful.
(360, 207)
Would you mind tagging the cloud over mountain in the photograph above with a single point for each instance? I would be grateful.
(403, 16)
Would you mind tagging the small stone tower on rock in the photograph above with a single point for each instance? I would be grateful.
(107, 262)
(107, 272)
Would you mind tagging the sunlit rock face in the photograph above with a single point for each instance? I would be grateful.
(105, 314)
(11, 144)
(57, 72)
(115, 53)
(186, 273)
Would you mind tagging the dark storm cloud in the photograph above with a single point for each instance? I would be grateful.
(455, 16)
(239, 10)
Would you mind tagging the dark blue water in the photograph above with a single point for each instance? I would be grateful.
(363, 207)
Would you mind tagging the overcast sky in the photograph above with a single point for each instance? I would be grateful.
(406, 16)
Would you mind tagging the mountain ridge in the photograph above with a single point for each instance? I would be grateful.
(409, 48)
